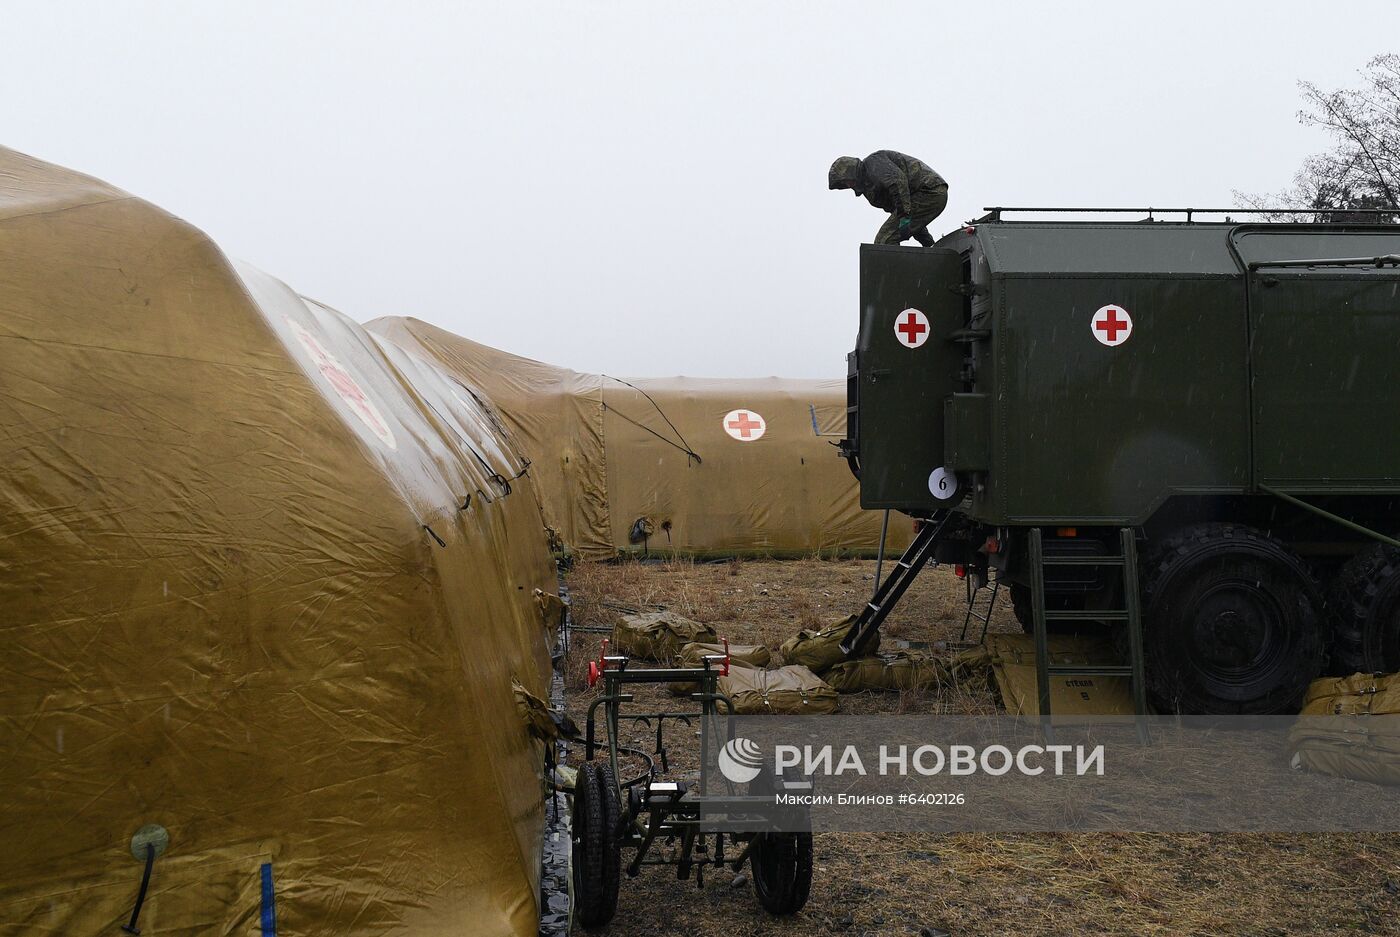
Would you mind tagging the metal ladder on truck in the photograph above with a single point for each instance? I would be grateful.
(1130, 616)
(889, 592)
(972, 614)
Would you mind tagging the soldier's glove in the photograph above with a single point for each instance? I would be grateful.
(905, 228)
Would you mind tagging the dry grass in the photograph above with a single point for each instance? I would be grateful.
(971, 884)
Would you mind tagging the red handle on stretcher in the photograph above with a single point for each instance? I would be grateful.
(596, 667)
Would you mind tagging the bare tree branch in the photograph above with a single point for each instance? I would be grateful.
(1362, 169)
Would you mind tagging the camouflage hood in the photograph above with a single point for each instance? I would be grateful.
(844, 173)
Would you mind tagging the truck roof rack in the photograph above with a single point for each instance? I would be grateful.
(994, 211)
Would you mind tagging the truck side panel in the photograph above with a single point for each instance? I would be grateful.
(1324, 347)
(1095, 433)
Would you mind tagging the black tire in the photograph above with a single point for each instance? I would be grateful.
(1232, 623)
(802, 880)
(782, 871)
(595, 849)
(612, 848)
(1364, 604)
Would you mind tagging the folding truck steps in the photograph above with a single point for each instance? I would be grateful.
(985, 616)
(1125, 561)
(889, 592)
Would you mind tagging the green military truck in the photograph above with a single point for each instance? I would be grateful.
(1227, 393)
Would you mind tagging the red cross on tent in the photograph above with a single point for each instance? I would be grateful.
(911, 328)
(744, 425)
(1112, 325)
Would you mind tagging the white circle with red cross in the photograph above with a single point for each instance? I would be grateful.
(911, 328)
(1112, 325)
(744, 425)
(344, 385)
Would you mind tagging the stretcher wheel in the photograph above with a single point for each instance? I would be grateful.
(596, 849)
(612, 821)
(782, 871)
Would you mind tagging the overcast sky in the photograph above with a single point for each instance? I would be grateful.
(641, 188)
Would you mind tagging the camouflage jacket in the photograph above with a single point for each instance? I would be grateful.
(887, 178)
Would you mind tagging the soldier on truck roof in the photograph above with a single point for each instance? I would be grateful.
(912, 193)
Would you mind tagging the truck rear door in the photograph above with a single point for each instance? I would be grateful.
(904, 367)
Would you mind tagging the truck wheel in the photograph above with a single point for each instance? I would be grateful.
(1365, 606)
(595, 850)
(782, 871)
(1231, 622)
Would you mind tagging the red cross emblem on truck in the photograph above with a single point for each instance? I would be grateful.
(744, 425)
(1111, 325)
(911, 328)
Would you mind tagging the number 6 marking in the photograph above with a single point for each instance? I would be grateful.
(943, 484)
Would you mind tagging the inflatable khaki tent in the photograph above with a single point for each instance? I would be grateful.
(267, 583)
(698, 465)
